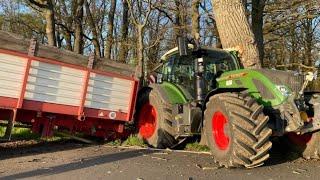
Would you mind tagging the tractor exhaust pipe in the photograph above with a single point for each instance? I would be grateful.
(199, 79)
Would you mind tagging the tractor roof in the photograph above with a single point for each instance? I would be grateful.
(190, 46)
(173, 51)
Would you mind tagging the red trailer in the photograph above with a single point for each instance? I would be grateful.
(49, 94)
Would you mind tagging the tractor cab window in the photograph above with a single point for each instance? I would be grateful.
(215, 64)
(180, 71)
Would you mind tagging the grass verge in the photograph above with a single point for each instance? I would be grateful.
(26, 134)
(195, 146)
(20, 133)
(134, 140)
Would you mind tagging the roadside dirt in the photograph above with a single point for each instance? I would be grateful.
(72, 160)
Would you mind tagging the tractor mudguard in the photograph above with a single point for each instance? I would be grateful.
(218, 91)
(174, 93)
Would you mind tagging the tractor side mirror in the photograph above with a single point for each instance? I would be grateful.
(182, 46)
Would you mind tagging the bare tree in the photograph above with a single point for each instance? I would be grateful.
(78, 37)
(140, 25)
(196, 21)
(107, 52)
(124, 32)
(48, 10)
(257, 25)
(235, 32)
(94, 30)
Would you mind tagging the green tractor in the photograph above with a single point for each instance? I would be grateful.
(206, 92)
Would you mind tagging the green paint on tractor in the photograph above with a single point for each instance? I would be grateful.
(174, 94)
(244, 78)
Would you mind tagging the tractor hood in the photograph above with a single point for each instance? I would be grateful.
(269, 87)
(288, 78)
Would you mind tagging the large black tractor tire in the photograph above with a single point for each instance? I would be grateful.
(307, 145)
(154, 118)
(236, 130)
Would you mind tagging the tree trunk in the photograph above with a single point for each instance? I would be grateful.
(95, 37)
(142, 64)
(177, 23)
(308, 42)
(294, 45)
(68, 24)
(109, 42)
(124, 32)
(195, 21)
(216, 33)
(78, 37)
(235, 31)
(67, 37)
(50, 24)
(257, 25)
(140, 45)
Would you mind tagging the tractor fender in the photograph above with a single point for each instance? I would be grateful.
(218, 91)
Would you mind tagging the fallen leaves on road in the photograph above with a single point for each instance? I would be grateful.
(206, 168)
(158, 158)
(296, 172)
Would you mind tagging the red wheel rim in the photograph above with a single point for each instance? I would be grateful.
(147, 120)
(219, 121)
(300, 140)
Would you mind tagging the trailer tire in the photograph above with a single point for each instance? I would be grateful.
(236, 130)
(307, 145)
(153, 118)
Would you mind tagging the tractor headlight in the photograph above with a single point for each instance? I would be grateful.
(284, 90)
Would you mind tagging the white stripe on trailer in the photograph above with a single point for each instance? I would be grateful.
(54, 84)
(12, 69)
(108, 93)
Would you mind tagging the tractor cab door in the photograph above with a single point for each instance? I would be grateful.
(179, 70)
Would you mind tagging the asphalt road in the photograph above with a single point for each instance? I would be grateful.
(71, 160)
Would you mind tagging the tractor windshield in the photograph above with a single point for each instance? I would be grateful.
(217, 62)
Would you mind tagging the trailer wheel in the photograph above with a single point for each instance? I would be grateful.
(308, 145)
(236, 130)
(154, 115)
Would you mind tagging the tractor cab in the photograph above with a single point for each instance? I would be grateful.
(181, 69)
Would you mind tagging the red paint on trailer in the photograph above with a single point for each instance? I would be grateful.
(50, 107)
(132, 103)
(24, 83)
(84, 93)
(104, 114)
(8, 103)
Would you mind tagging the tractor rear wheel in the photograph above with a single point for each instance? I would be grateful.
(308, 145)
(236, 130)
(153, 118)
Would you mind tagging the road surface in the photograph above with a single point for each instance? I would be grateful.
(70, 160)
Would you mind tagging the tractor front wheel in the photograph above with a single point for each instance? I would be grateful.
(236, 130)
(154, 117)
